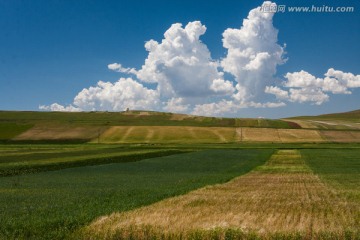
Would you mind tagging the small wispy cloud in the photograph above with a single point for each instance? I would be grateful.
(118, 68)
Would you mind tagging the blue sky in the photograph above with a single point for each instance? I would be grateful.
(51, 50)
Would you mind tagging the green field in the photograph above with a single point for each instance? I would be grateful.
(352, 116)
(57, 204)
(157, 127)
(52, 205)
(296, 194)
(334, 121)
(340, 168)
(10, 130)
(79, 175)
(81, 127)
(40, 158)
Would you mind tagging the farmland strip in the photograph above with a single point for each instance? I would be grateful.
(282, 196)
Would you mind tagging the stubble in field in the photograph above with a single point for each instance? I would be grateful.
(167, 134)
(38, 133)
(342, 136)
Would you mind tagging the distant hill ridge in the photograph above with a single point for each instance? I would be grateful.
(355, 113)
(134, 118)
(161, 127)
(349, 116)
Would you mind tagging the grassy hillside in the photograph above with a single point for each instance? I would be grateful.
(133, 118)
(196, 135)
(167, 134)
(159, 127)
(345, 116)
(86, 126)
(9, 130)
(334, 121)
(348, 116)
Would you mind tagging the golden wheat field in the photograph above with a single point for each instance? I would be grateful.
(341, 136)
(61, 132)
(167, 134)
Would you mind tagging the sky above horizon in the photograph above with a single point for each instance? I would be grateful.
(215, 58)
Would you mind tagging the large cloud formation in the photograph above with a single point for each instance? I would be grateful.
(188, 80)
(182, 66)
(125, 93)
(253, 53)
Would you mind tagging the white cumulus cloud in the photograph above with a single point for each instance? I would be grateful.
(308, 95)
(304, 87)
(185, 78)
(302, 79)
(253, 53)
(278, 92)
(119, 68)
(59, 108)
(215, 108)
(222, 86)
(107, 96)
(182, 65)
(224, 107)
(348, 79)
(125, 93)
(176, 105)
(334, 86)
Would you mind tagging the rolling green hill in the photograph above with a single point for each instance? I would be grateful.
(335, 121)
(133, 118)
(344, 116)
(160, 127)
(87, 126)
(136, 158)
